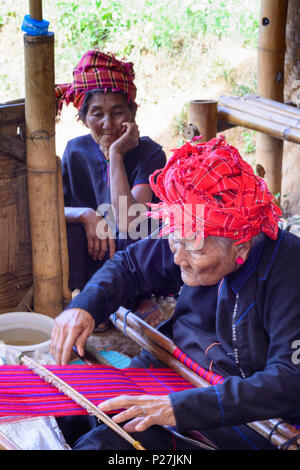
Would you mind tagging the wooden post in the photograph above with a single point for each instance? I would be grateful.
(203, 114)
(36, 9)
(270, 63)
(66, 292)
(42, 170)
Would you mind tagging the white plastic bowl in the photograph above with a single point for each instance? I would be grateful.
(26, 324)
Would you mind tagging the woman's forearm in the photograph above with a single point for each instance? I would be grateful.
(76, 215)
(119, 188)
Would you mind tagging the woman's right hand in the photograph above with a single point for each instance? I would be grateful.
(72, 327)
(98, 233)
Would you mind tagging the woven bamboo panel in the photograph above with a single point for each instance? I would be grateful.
(15, 239)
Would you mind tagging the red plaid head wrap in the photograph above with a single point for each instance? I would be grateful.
(97, 70)
(208, 189)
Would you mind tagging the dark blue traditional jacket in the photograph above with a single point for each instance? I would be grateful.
(86, 183)
(246, 327)
(85, 170)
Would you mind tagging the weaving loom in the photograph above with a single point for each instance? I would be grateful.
(27, 391)
(23, 393)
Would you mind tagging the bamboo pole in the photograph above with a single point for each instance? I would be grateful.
(280, 108)
(42, 171)
(203, 117)
(35, 9)
(162, 347)
(66, 292)
(262, 110)
(270, 65)
(250, 121)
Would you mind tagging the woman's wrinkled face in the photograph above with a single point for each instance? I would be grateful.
(204, 265)
(105, 117)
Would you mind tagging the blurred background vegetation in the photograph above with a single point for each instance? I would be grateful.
(181, 50)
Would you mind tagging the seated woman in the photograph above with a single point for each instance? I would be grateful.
(106, 171)
(237, 314)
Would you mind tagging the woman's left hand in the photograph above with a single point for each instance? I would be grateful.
(127, 141)
(143, 411)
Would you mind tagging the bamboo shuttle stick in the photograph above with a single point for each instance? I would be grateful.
(70, 392)
(263, 428)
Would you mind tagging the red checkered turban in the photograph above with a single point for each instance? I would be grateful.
(97, 70)
(208, 189)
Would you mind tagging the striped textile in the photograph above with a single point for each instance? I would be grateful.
(23, 393)
(209, 376)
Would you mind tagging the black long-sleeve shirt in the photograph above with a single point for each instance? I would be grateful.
(246, 327)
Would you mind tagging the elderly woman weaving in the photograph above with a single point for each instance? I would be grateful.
(237, 314)
(105, 172)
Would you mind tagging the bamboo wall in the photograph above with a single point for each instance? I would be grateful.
(15, 239)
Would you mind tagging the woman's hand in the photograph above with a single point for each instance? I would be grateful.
(143, 411)
(99, 236)
(72, 326)
(128, 140)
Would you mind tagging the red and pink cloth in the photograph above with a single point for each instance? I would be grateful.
(97, 70)
(208, 189)
(23, 393)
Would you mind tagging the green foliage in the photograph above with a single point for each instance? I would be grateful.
(89, 23)
(249, 142)
(153, 24)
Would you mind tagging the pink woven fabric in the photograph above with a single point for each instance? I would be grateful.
(23, 393)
